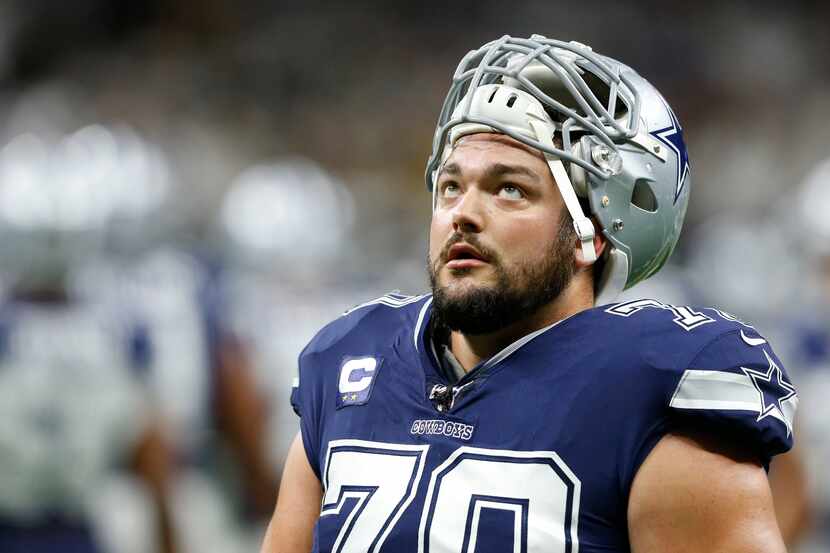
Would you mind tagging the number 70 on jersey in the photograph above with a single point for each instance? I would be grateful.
(370, 485)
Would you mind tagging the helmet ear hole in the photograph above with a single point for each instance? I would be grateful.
(643, 196)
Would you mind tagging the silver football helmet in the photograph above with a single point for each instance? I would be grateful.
(609, 137)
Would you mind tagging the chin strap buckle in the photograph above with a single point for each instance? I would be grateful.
(585, 231)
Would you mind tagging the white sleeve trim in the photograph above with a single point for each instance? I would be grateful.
(714, 390)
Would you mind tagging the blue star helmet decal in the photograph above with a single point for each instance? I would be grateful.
(672, 136)
(773, 391)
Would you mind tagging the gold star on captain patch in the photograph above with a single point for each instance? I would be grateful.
(354, 397)
(345, 397)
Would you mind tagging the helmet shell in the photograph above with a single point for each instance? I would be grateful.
(620, 141)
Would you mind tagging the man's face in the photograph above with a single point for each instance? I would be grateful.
(501, 245)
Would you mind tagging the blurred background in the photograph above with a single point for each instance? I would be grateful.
(189, 190)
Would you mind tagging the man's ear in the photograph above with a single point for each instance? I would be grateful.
(600, 244)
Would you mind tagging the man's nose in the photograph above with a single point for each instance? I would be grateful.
(468, 214)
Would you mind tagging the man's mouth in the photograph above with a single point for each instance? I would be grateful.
(464, 256)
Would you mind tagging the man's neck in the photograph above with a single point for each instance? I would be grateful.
(470, 350)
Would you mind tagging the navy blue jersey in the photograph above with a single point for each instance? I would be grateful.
(533, 450)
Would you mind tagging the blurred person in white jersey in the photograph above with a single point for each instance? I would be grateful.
(808, 333)
(202, 383)
(222, 318)
(228, 315)
(73, 408)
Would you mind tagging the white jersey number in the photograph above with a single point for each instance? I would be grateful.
(686, 317)
(382, 477)
(535, 487)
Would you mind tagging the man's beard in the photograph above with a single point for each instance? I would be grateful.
(518, 293)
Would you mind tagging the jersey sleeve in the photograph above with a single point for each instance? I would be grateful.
(677, 369)
(313, 388)
(737, 386)
(307, 404)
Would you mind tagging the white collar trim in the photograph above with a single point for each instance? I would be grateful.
(496, 359)
(514, 347)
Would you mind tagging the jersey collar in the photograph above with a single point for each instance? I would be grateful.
(430, 352)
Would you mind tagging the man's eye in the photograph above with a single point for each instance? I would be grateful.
(450, 190)
(511, 192)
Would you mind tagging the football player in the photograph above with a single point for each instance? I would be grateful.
(73, 405)
(201, 381)
(515, 408)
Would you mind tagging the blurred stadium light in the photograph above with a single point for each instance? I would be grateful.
(288, 214)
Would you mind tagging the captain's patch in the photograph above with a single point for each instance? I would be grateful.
(356, 380)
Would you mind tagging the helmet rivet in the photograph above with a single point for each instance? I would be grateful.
(605, 201)
(657, 149)
(606, 159)
(618, 225)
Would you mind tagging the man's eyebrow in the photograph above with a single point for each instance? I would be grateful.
(502, 169)
(493, 171)
(451, 169)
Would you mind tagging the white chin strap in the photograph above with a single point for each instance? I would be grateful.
(582, 225)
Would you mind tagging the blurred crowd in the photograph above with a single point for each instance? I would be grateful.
(190, 190)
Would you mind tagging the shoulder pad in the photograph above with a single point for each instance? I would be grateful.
(672, 335)
(688, 318)
(377, 320)
(715, 371)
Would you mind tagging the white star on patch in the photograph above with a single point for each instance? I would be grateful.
(778, 391)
